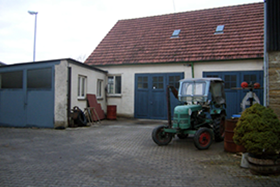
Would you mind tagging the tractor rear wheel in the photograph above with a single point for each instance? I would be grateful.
(160, 137)
(219, 128)
(203, 138)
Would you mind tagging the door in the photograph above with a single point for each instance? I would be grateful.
(233, 80)
(157, 97)
(40, 100)
(27, 97)
(150, 94)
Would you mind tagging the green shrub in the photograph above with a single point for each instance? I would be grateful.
(258, 130)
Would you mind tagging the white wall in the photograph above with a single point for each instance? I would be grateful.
(125, 103)
(60, 94)
(91, 85)
(61, 89)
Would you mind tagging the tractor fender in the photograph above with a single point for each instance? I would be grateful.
(207, 125)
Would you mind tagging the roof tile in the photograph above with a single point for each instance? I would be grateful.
(147, 40)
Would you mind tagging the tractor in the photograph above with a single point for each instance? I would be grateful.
(201, 114)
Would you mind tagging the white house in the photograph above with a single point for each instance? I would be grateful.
(144, 55)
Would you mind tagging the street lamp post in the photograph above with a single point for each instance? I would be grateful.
(34, 47)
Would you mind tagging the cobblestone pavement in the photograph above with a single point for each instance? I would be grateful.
(116, 153)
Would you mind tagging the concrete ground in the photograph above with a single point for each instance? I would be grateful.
(117, 153)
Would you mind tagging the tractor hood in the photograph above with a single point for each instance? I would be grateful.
(185, 109)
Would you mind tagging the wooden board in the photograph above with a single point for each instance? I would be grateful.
(92, 102)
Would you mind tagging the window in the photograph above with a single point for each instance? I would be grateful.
(174, 81)
(158, 82)
(230, 81)
(142, 82)
(39, 78)
(11, 80)
(114, 85)
(176, 33)
(99, 88)
(191, 89)
(81, 87)
(250, 79)
(219, 29)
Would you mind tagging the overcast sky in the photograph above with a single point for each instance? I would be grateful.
(73, 28)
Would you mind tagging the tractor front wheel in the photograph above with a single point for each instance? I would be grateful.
(203, 138)
(160, 137)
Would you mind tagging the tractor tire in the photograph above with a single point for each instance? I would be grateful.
(160, 137)
(219, 128)
(182, 136)
(81, 119)
(203, 138)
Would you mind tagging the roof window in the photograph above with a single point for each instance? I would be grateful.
(219, 29)
(176, 33)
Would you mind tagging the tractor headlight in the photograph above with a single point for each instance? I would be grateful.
(190, 112)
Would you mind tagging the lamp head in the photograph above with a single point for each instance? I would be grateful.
(32, 12)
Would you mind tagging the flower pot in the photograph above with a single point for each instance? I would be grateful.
(263, 166)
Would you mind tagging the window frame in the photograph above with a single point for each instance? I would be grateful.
(18, 82)
(99, 92)
(112, 86)
(82, 90)
(45, 74)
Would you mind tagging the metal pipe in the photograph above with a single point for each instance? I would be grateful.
(192, 69)
(168, 107)
(35, 29)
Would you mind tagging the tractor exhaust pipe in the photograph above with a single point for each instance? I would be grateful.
(175, 93)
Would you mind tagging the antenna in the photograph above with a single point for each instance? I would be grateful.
(174, 6)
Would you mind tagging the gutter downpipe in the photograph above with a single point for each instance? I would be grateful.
(192, 69)
(265, 61)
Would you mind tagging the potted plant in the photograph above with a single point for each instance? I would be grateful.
(258, 130)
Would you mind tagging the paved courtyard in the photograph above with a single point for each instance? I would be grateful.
(116, 153)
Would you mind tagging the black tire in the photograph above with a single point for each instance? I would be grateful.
(203, 138)
(160, 137)
(81, 119)
(182, 136)
(219, 127)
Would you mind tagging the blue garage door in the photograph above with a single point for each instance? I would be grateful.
(27, 96)
(234, 79)
(150, 94)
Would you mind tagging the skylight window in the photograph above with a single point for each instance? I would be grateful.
(219, 29)
(176, 33)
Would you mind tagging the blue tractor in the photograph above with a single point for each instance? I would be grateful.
(202, 113)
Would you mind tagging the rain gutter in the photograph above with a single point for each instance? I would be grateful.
(265, 61)
(192, 69)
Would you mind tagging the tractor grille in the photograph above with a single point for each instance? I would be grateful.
(184, 115)
(181, 121)
(181, 116)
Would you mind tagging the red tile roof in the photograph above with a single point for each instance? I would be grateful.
(148, 40)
